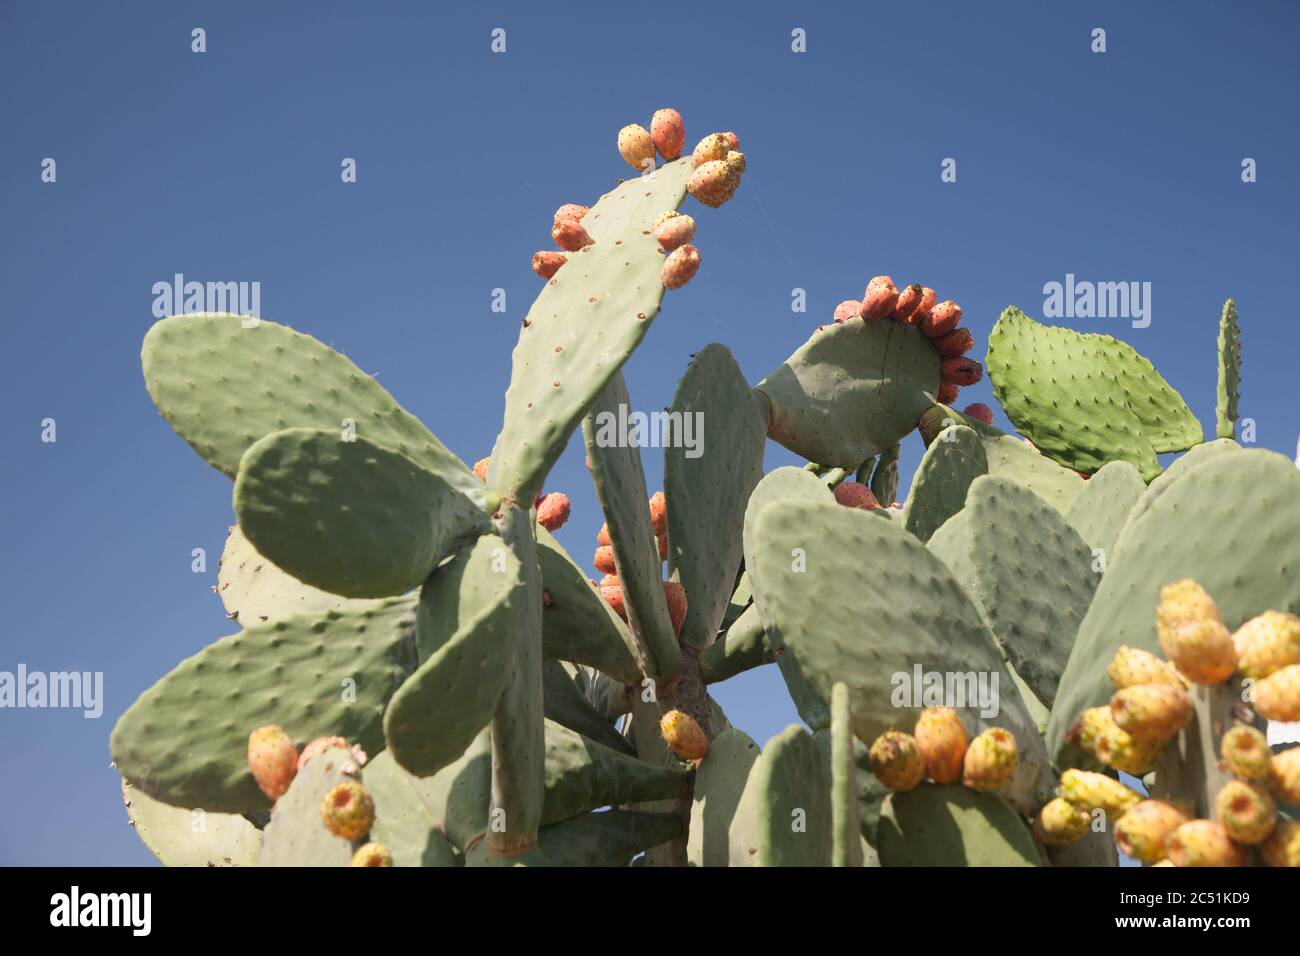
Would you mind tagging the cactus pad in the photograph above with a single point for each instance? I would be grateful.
(611, 838)
(403, 822)
(784, 815)
(1229, 386)
(253, 590)
(719, 783)
(949, 465)
(296, 834)
(952, 826)
(179, 836)
(1099, 511)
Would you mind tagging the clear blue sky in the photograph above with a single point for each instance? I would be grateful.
(225, 166)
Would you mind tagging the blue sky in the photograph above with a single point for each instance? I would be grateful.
(1122, 166)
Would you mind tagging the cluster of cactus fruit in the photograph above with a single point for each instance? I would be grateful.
(951, 679)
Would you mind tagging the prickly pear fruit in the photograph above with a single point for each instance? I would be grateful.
(570, 236)
(372, 854)
(947, 393)
(1245, 752)
(1201, 650)
(1061, 823)
(668, 133)
(854, 494)
(636, 147)
(675, 232)
(659, 514)
(1267, 643)
(318, 747)
(1246, 811)
(955, 343)
(712, 183)
(960, 371)
(683, 735)
(1282, 848)
(923, 307)
(979, 411)
(547, 262)
(610, 581)
(713, 148)
(570, 212)
(1087, 729)
(1132, 666)
(604, 560)
(1151, 711)
(941, 738)
(1277, 696)
(736, 160)
(272, 759)
(847, 310)
(1203, 843)
(1120, 751)
(1092, 791)
(941, 320)
(348, 810)
(663, 547)
(907, 302)
(990, 759)
(896, 760)
(1182, 602)
(1284, 776)
(679, 267)
(675, 595)
(880, 298)
(613, 596)
(602, 536)
(553, 511)
(1142, 831)
(733, 141)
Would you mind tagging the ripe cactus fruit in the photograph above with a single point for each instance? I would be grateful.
(923, 307)
(602, 536)
(1201, 650)
(675, 595)
(613, 596)
(636, 147)
(712, 183)
(683, 735)
(604, 560)
(318, 747)
(1246, 811)
(1093, 791)
(570, 212)
(610, 581)
(1203, 843)
(570, 236)
(979, 411)
(1132, 666)
(668, 133)
(955, 343)
(659, 514)
(713, 148)
(896, 760)
(1151, 711)
(1121, 751)
(272, 759)
(736, 160)
(880, 298)
(941, 320)
(908, 300)
(990, 759)
(675, 232)
(947, 393)
(1282, 848)
(680, 266)
(1088, 727)
(553, 511)
(847, 310)
(663, 547)
(372, 854)
(854, 494)
(1267, 643)
(481, 468)
(348, 811)
(1284, 775)
(1182, 602)
(1245, 752)
(1142, 831)
(547, 262)
(941, 738)
(1061, 823)
(1277, 696)
(732, 140)
(961, 371)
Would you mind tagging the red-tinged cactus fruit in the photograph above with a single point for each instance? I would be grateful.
(712, 183)
(1203, 843)
(961, 371)
(923, 307)
(662, 218)
(683, 735)
(570, 212)
(1096, 791)
(732, 140)
(680, 266)
(947, 393)
(663, 547)
(1087, 730)
(941, 738)
(1142, 831)
(1284, 776)
(570, 236)
(604, 560)
(990, 760)
(941, 320)
(1282, 848)
(1267, 643)
(713, 148)
(908, 300)
(547, 262)
(610, 581)
(675, 595)
(658, 514)
(272, 759)
(1119, 750)
(1061, 823)
(481, 468)
(1202, 651)
(1246, 811)
(668, 133)
(636, 147)
(896, 760)
(1245, 753)
(553, 511)
(348, 810)
(979, 411)
(955, 343)
(372, 854)
(880, 298)
(847, 309)
(1277, 696)
(736, 160)
(1132, 666)
(613, 596)
(675, 232)
(1151, 711)
(854, 494)
(602, 536)
(318, 747)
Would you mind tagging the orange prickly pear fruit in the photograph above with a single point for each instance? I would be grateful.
(481, 468)
(1284, 775)
(659, 514)
(683, 735)
(908, 300)
(941, 320)
(1277, 696)
(1201, 650)
(990, 759)
(668, 133)
(1088, 728)
(272, 759)
(613, 596)
(947, 393)
(1121, 751)
(960, 370)
(680, 266)
(636, 147)
(847, 310)
(1246, 811)
(675, 595)
(941, 738)
(570, 235)
(1092, 791)
(712, 149)
(1182, 602)
(979, 411)
(854, 494)
(372, 854)
(570, 212)
(896, 760)
(1282, 848)
(675, 232)
(880, 299)
(1061, 823)
(602, 536)
(553, 511)
(955, 344)
(1142, 831)
(1132, 666)
(348, 811)
(1267, 643)
(1151, 711)
(547, 262)
(1245, 753)
(604, 560)
(712, 183)
(1203, 843)
(318, 747)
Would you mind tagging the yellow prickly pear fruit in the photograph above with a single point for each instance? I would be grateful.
(941, 738)
(1132, 666)
(1203, 843)
(1091, 791)
(1282, 848)
(1201, 650)
(713, 148)
(1141, 833)
(712, 183)
(896, 760)
(348, 811)
(272, 759)
(1061, 823)
(481, 468)
(683, 735)
(1182, 602)
(1267, 643)
(990, 759)
(1284, 775)
(1119, 750)
(1153, 712)
(1246, 811)
(1245, 752)
(1277, 696)
(1088, 728)
(372, 854)
(636, 147)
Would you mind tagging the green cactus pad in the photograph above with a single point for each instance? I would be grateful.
(567, 707)
(452, 695)
(583, 326)
(1229, 387)
(254, 591)
(784, 816)
(952, 826)
(949, 465)
(707, 494)
(952, 544)
(1244, 549)
(1100, 510)
(846, 830)
(884, 477)
(223, 386)
(1193, 459)
(403, 823)
(620, 486)
(185, 740)
(183, 837)
(296, 834)
(349, 517)
(719, 783)
(611, 838)
(1166, 420)
(742, 648)
(1035, 588)
(458, 796)
(853, 390)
